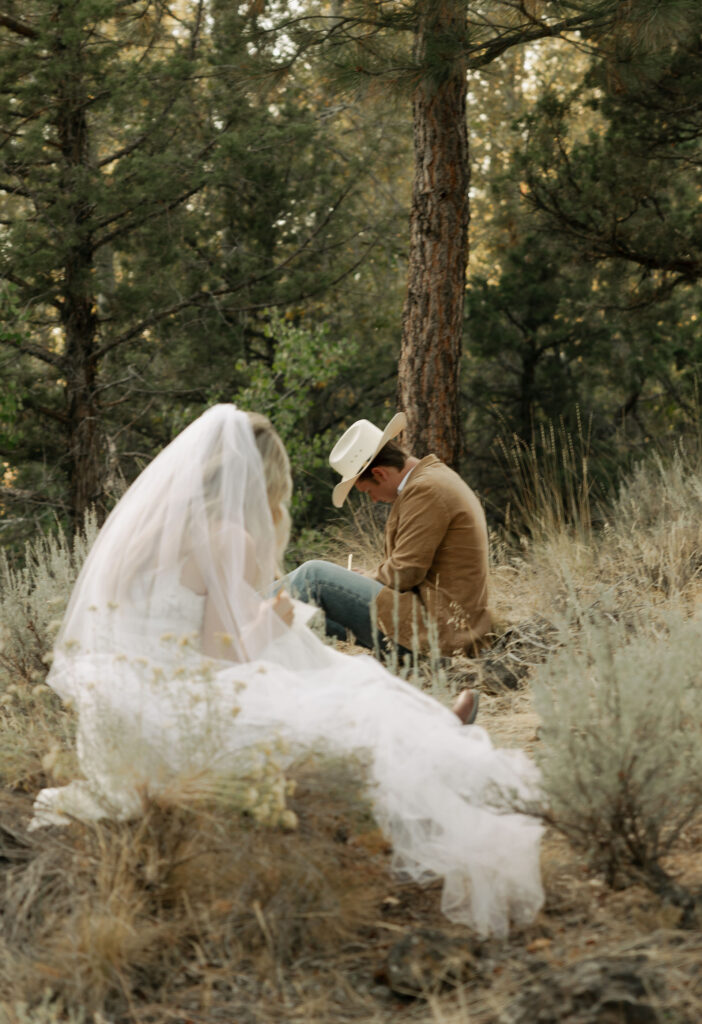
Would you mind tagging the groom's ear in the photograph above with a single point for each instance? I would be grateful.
(380, 474)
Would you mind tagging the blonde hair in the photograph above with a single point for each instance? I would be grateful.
(276, 470)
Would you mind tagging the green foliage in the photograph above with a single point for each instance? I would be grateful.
(215, 176)
(299, 382)
(620, 754)
(589, 305)
(538, 354)
(10, 407)
(159, 192)
(613, 163)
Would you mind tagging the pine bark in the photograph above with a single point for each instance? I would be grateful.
(428, 375)
(77, 300)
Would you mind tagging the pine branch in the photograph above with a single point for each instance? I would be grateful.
(26, 348)
(486, 53)
(144, 137)
(200, 297)
(15, 495)
(687, 268)
(28, 402)
(162, 209)
(28, 288)
(20, 28)
(14, 190)
(136, 221)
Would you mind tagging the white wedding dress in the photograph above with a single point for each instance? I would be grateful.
(152, 710)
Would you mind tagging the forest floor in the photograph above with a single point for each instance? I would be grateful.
(592, 956)
(194, 914)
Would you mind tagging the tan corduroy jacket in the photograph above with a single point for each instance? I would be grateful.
(436, 564)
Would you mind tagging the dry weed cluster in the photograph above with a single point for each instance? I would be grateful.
(194, 904)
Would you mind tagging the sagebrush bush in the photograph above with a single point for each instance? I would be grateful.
(620, 749)
(646, 553)
(657, 525)
(33, 599)
(37, 733)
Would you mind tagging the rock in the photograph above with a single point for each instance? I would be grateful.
(498, 676)
(425, 960)
(616, 990)
(508, 662)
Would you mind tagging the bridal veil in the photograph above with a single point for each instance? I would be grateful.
(178, 663)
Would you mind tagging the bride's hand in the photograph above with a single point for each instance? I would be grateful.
(284, 608)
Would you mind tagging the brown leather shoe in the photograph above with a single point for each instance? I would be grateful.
(466, 706)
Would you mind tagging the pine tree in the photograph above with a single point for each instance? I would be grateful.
(430, 48)
(583, 312)
(629, 190)
(98, 143)
(158, 194)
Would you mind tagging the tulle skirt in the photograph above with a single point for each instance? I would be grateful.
(440, 791)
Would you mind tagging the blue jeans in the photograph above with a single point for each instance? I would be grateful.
(345, 597)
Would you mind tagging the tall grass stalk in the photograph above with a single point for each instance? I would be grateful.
(108, 916)
(551, 489)
(359, 531)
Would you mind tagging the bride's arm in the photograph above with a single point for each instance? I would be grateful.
(234, 640)
(218, 642)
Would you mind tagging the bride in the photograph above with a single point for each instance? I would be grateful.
(178, 663)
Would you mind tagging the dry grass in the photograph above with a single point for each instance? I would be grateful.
(196, 913)
(358, 531)
(194, 905)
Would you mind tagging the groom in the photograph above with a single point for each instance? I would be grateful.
(430, 590)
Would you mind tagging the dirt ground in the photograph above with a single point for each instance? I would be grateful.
(593, 955)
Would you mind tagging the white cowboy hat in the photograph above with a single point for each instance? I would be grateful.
(357, 448)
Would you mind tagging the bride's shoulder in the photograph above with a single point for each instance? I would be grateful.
(225, 533)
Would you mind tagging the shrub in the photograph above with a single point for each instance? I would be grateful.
(303, 376)
(620, 754)
(657, 520)
(33, 599)
(36, 731)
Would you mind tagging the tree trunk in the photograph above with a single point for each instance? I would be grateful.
(428, 375)
(77, 300)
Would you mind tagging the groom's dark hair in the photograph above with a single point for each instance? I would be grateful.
(391, 454)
